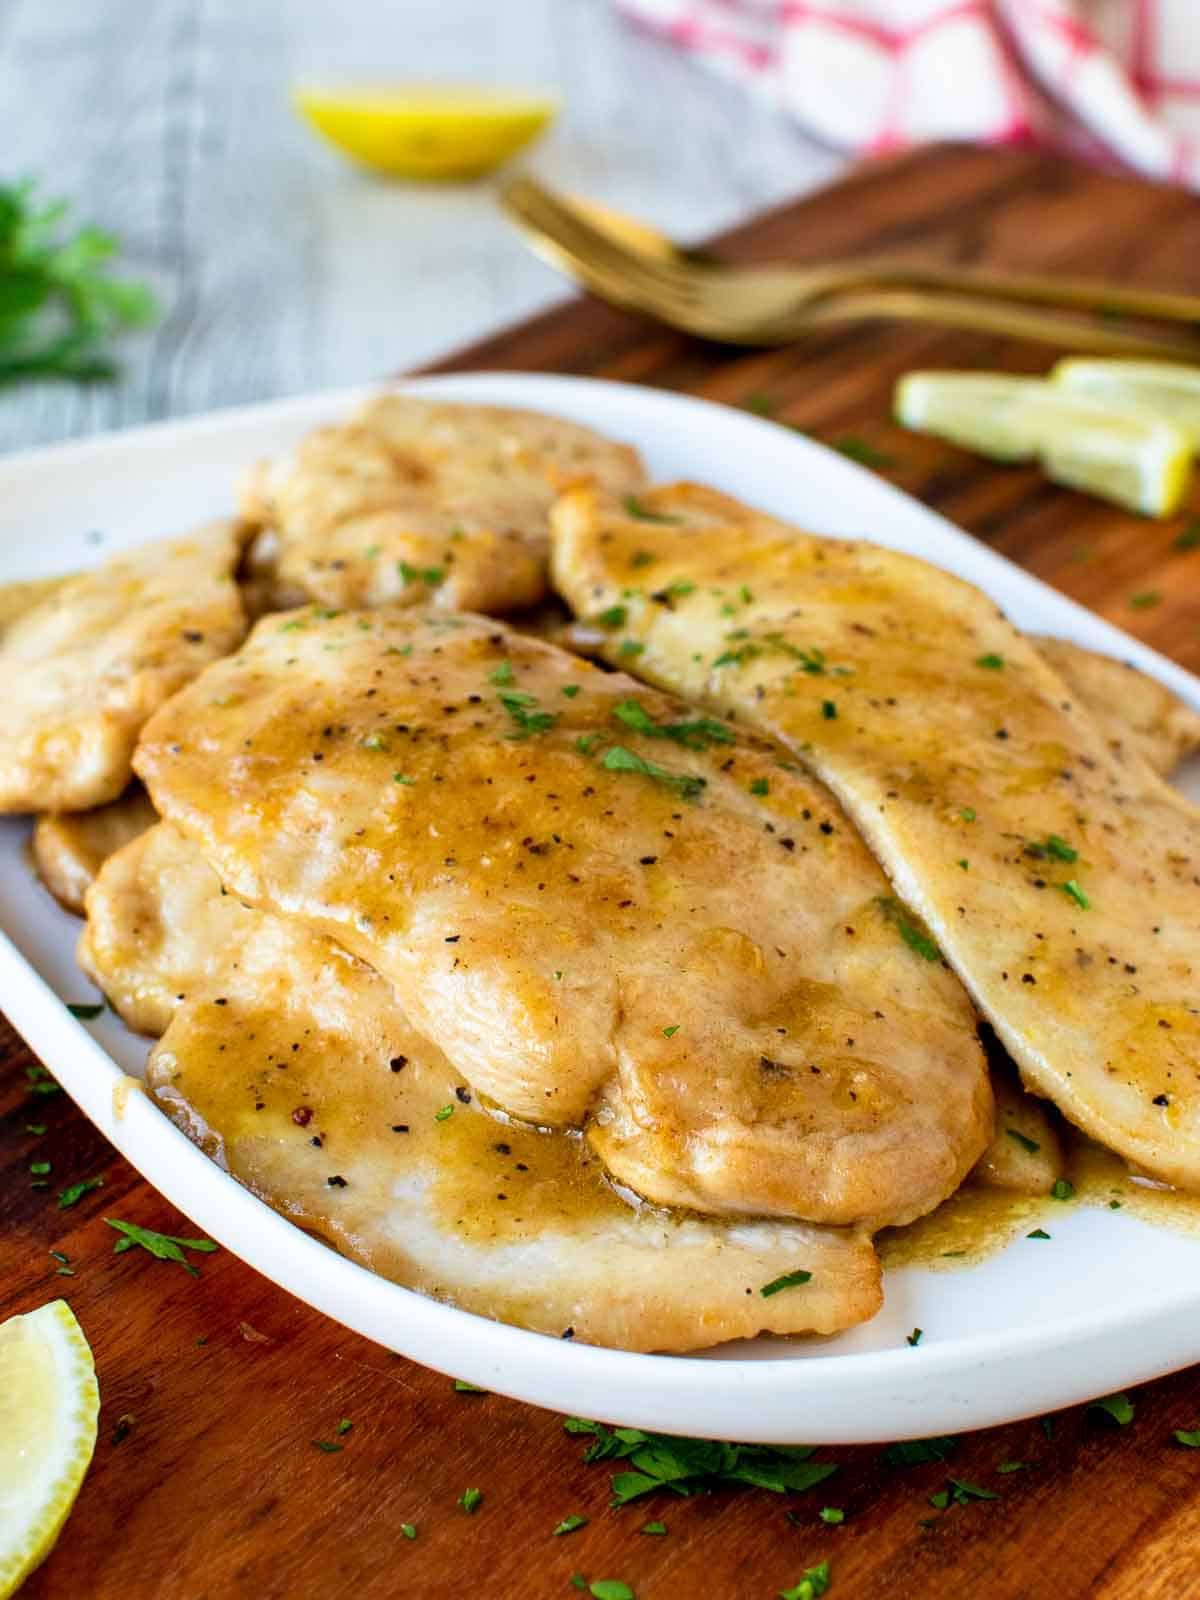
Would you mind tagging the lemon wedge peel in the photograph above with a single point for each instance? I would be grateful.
(49, 1404)
(1130, 454)
(430, 135)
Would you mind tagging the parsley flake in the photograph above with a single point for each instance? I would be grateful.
(914, 1338)
(1030, 1146)
(76, 1192)
(1189, 539)
(865, 454)
(645, 513)
(39, 1168)
(570, 690)
(1063, 1189)
(160, 1245)
(914, 936)
(829, 710)
(1190, 1437)
(525, 722)
(966, 814)
(408, 1530)
(916, 1452)
(619, 759)
(569, 1525)
(431, 576)
(470, 1500)
(697, 734)
(789, 1280)
(1145, 600)
(443, 1114)
(1117, 1407)
(832, 1514)
(653, 1528)
(326, 1446)
(669, 1033)
(814, 1583)
(1072, 889)
(85, 1013)
(461, 1386)
(614, 617)
(630, 647)
(993, 663)
(1038, 1233)
(611, 1588)
(402, 777)
(503, 674)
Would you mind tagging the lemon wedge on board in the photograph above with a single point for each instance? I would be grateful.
(431, 134)
(49, 1401)
(1172, 389)
(1128, 453)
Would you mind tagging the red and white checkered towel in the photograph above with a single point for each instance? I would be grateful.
(1115, 81)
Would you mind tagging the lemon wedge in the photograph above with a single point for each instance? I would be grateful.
(1168, 388)
(49, 1401)
(429, 134)
(1126, 453)
(978, 410)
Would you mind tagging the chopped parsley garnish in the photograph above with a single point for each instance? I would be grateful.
(865, 454)
(762, 405)
(461, 1386)
(1117, 1407)
(966, 814)
(669, 1033)
(408, 1530)
(445, 1113)
(1031, 1146)
(914, 1338)
(813, 1584)
(503, 674)
(993, 663)
(610, 1589)
(642, 558)
(660, 1461)
(653, 1528)
(344, 1425)
(85, 1013)
(427, 575)
(916, 1452)
(39, 1168)
(965, 864)
(1076, 893)
(630, 647)
(685, 784)
(570, 690)
(402, 777)
(645, 513)
(614, 617)
(789, 1280)
(914, 937)
(759, 786)
(569, 1525)
(1187, 1436)
(161, 1245)
(1063, 1189)
(1053, 848)
(695, 735)
(525, 722)
(36, 1128)
(1189, 539)
(470, 1500)
(829, 710)
(1038, 1233)
(1014, 1466)
(832, 1514)
(73, 1195)
(961, 1493)
(587, 742)
(326, 1446)
(1144, 601)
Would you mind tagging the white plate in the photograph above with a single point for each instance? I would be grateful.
(1111, 1301)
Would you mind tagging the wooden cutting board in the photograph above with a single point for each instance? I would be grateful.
(206, 1480)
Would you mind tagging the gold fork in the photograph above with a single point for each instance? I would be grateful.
(631, 265)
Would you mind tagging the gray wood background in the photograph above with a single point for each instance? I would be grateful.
(282, 269)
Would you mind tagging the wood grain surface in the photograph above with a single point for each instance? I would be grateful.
(212, 1486)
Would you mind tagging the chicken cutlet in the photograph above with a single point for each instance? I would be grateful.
(1138, 715)
(293, 1065)
(416, 501)
(85, 665)
(70, 847)
(1062, 886)
(604, 908)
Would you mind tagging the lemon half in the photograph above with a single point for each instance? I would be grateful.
(49, 1401)
(1128, 453)
(426, 133)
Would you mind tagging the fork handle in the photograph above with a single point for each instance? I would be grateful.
(1080, 294)
(980, 315)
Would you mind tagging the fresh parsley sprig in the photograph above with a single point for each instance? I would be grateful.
(59, 308)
